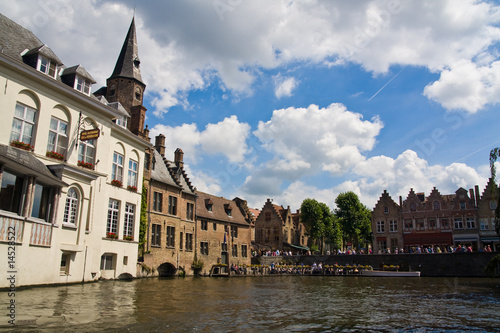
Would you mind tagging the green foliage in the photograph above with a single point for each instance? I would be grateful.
(354, 219)
(197, 265)
(493, 267)
(494, 154)
(143, 227)
(320, 223)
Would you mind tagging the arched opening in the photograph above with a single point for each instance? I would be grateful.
(125, 276)
(166, 269)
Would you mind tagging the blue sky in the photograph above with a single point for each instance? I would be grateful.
(291, 100)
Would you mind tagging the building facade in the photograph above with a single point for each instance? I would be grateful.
(70, 195)
(487, 204)
(277, 228)
(224, 231)
(171, 234)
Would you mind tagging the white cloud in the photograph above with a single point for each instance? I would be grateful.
(284, 86)
(308, 140)
(466, 86)
(227, 138)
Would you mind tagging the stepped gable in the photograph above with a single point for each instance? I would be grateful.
(412, 198)
(179, 174)
(219, 209)
(161, 170)
(490, 190)
(384, 199)
(245, 211)
(280, 211)
(436, 196)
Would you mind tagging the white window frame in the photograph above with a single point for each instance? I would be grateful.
(470, 222)
(24, 122)
(82, 85)
(113, 217)
(45, 65)
(132, 173)
(128, 224)
(117, 167)
(71, 207)
(83, 151)
(458, 223)
(60, 136)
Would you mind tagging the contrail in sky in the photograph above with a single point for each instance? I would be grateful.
(385, 85)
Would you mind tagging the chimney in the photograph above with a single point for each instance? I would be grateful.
(472, 197)
(179, 157)
(400, 201)
(477, 195)
(160, 144)
(146, 134)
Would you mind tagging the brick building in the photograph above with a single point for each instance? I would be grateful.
(277, 228)
(171, 233)
(486, 216)
(224, 231)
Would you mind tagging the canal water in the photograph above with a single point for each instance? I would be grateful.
(261, 304)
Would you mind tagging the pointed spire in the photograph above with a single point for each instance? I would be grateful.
(128, 60)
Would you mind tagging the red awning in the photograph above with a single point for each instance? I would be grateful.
(428, 239)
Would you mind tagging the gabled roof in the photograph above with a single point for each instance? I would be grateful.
(219, 206)
(128, 61)
(78, 69)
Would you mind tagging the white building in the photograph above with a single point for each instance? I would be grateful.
(70, 169)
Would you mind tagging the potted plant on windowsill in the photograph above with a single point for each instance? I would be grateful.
(117, 183)
(21, 145)
(86, 165)
(128, 238)
(132, 188)
(111, 235)
(54, 155)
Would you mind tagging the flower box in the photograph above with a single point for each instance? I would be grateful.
(111, 235)
(128, 238)
(117, 183)
(86, 165)
(54, 155)
(132, 188)
(21, 145)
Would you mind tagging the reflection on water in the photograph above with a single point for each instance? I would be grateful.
(260, 304)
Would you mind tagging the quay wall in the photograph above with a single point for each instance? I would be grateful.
(436, 264)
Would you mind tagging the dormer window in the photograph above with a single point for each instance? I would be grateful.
(228, 209)
(82, 85)
(46, 66)
(121, 121)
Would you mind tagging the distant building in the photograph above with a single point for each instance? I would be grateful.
(224, 230)
(70, 191)
(487, 205)
(277, 228)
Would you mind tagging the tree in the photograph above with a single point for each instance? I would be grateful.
(494, 154)
(354, 219)
(311, 214)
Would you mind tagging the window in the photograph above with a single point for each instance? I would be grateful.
(11, 192)
(234, 251)
(204, 248)
(157, 201)
(82, 85)
(86, 151)
(170, 236)
(190, 211)
(117, 170)
(493, 204)
(471, 223)
(132, 173)
(408, 225)
(58, 139)
(113, 211)
(413, 206)
(393, 226)
(380, 227)
(386, 209)
(224, 247)
(244, 251)
(462, 205)
(484, 224)
(189, 242)
(23, 124)
(172, 205)
(420, 224)
(46, 66)
(209, 207)
(71, 207)
(432, 224)
(215, 226)
(234, 231)
(121, 121)
(204, 225)
(437, 205)
(128, 225)
(107, 262)
(459, 224)
(65, 261)
(267, 216)
(229, 211)
(181, 240)
(156, 235)
(41, 202)
(382, 245)
(445, 224)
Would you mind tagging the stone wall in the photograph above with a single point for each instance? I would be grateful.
(443, 264)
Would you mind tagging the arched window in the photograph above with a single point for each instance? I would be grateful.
(23, 125)
(71, 207)
(437, 206)
(413, 206)
(386, 209)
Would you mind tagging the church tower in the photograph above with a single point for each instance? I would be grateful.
(125, 84)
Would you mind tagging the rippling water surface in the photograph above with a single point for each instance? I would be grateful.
(262, 304)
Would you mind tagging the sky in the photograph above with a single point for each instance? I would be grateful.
(288, 100)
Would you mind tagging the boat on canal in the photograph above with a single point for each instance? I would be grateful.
(390, 273)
